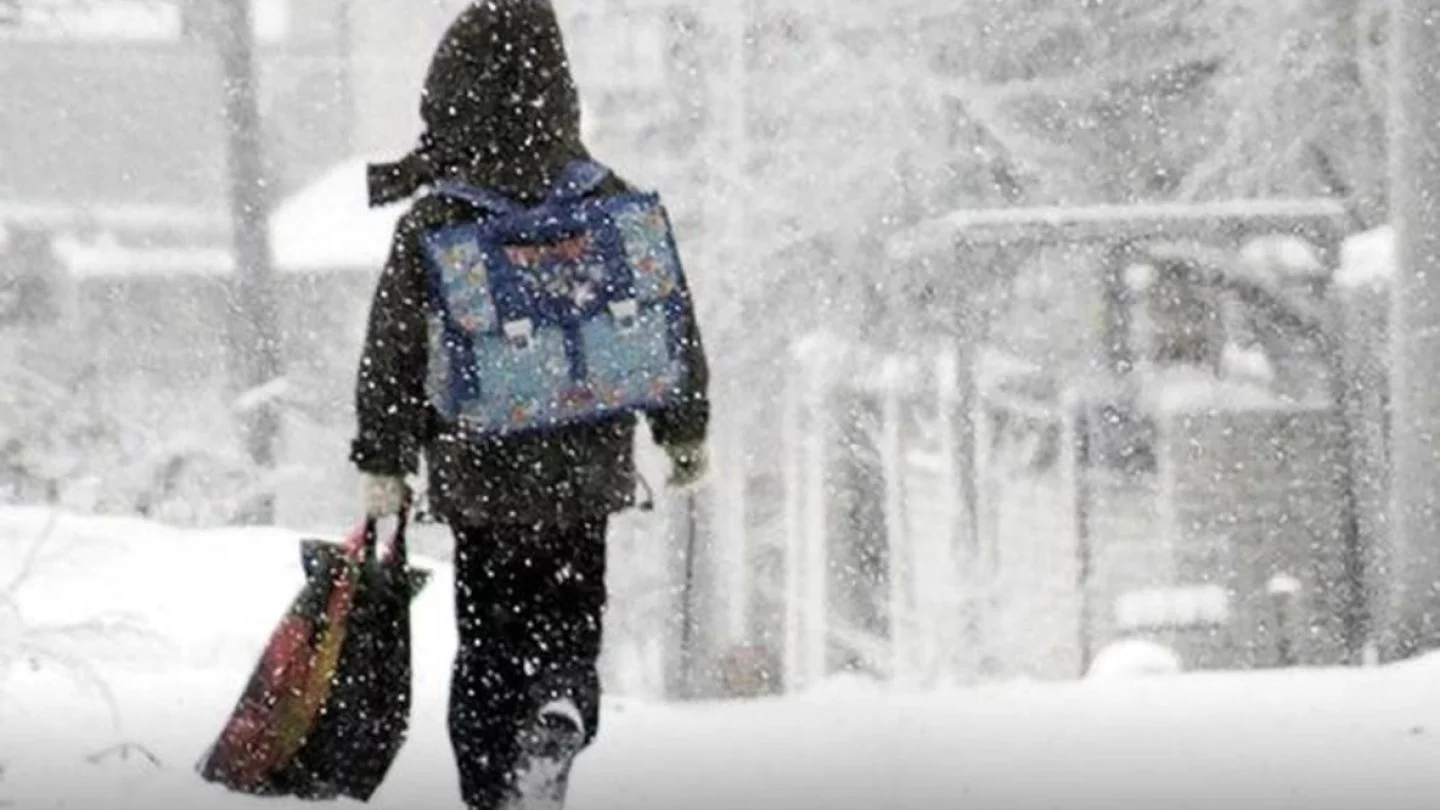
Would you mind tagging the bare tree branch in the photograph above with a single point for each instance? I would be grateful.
(83, 672)
(31, 558)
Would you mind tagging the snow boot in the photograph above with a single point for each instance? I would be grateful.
(547, 750)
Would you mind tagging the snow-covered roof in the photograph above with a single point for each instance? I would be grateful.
(1183, 390)
(105, 257)
(326, 226)
(110, 217)
(329, 224)
(1093, 222)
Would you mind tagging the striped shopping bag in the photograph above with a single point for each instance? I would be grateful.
(326, 709)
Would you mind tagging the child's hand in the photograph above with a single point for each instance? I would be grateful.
(385, 495)
(688, 464)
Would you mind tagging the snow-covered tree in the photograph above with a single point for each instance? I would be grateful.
(1304, 91)
(1129, 100)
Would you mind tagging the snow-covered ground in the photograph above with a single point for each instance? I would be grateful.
(1332, 739)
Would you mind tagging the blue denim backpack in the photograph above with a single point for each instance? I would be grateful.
(567, 312)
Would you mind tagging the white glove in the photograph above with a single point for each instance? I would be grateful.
(384, 495)
(688, 464)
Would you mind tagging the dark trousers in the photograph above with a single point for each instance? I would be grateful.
(529, 605)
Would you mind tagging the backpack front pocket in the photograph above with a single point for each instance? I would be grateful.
(629, 356)
(522, 377)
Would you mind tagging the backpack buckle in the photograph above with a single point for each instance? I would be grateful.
(625, 313)
(520, 334)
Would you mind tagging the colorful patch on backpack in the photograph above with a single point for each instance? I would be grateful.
(567, 251)
(465, 282)
(564, 271)
(646, 236)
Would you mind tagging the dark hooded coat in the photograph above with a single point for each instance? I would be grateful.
(501, 110)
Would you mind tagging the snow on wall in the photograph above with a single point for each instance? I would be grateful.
(1367, 260)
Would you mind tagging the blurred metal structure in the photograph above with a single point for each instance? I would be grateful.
(1175, 497)
(875, 527)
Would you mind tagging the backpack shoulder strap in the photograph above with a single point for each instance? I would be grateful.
(492, 201)
(577, 179)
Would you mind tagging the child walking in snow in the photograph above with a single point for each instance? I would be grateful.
(529, 511)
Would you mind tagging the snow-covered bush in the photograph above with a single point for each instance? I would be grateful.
(62, 646)
(51, 430)
(1134, 658)
(73, 436)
